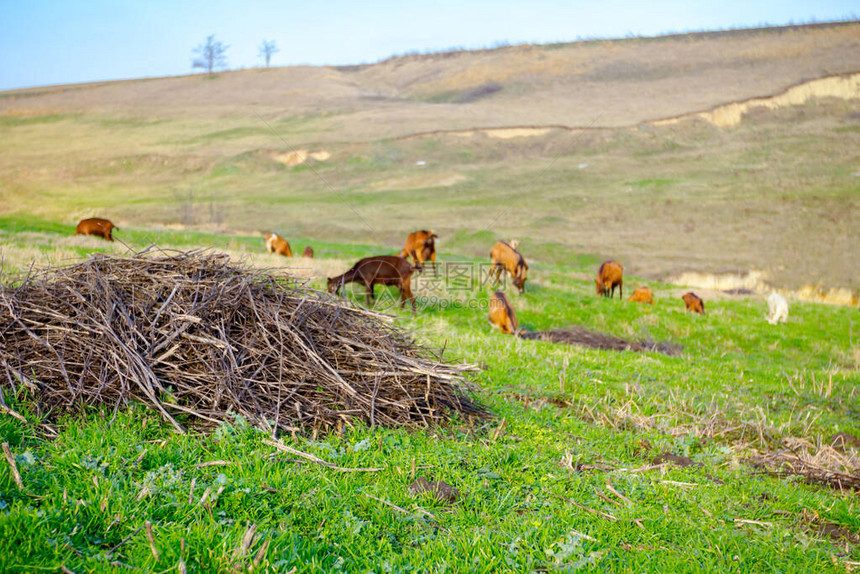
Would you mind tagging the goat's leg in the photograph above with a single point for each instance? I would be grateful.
(406, 293)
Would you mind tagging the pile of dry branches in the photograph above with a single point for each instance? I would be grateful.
(198, 337)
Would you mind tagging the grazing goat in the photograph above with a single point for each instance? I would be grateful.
(505, 257)
(502, 314)
(308, 252)
(420, 247)
(379, 270)
(777, 309)
(609, 276)
(277, 244)
(96, 226)
(642, 295)
(694, 303)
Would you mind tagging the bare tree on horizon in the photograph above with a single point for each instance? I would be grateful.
(210, 55)
(267, 48)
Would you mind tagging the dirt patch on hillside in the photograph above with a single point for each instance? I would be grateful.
(505, 133)
(583, 337)
(843, 86)
(753, 281)
(756, 282)
(510, 133)
(833, 295)
(300, 156)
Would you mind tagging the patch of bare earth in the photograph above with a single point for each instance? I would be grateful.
(581, 336)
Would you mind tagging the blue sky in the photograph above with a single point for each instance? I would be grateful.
(53, 42)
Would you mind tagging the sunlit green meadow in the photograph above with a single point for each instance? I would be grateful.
(562, 478)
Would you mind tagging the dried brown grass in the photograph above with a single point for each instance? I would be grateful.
(836, 465)
(837, 468)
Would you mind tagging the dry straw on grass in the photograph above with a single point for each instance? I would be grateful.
(199, 337)
(837, 468)
(836, 465)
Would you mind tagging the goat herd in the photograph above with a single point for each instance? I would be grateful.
(420, 247)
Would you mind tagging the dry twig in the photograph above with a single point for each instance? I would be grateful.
(214, 463)
(611, 489)
(11, 460)
(599, 513)
(247, 541)
(261, 553)
(391, 504)
(316, 459)
(151, 539)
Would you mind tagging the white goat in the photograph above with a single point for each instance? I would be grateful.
(777, 309)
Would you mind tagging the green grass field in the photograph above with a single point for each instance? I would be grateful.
(561, 479)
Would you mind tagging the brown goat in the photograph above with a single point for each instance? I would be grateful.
(502, 314)
(308, 252)
(693, 302)
(609, 276)
(642, 295)
(277, 244)
(505, 257)
(420, 246)
(96, 226)
(379, 270)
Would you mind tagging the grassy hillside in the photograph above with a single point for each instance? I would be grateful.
(571, 472)
(536, 483)
(607, 83)
(776, 193)
(663, 199)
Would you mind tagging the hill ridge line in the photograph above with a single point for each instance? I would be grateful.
(37, 90)
(668, 36)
